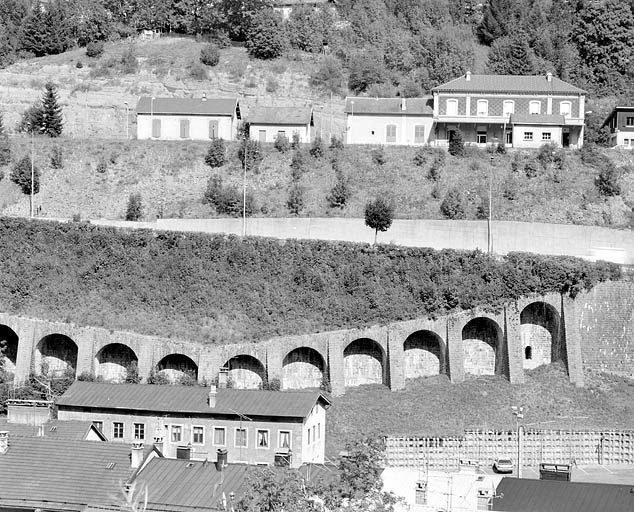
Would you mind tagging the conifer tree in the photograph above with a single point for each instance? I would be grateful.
(5, 146)
(52, 121)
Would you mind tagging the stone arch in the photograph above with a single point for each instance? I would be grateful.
(363, 363)
(540, 334)
(10, 340)
(303, 367)
(55, 355)
(246, 372)
(177, 366)
(113, 360)
(482, 345)
(425, 354)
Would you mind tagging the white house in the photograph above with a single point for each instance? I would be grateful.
(266, 123)
(405, 121)
(187, 118)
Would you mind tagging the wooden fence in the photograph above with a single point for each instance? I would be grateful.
(556, 446)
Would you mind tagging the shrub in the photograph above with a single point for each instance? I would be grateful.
(271, 84)
(531, 169)
(226, 200)
(266, 38)
(328, 76)
(132, 373)
(213, 192)
(295, 202)
(551, 155)
(607, 182)
(452, 205)
(250, 154)
(102, 166)
(317, 148)
(5, 152)
(295, 140)
(134, 210)
(157, 378)
(336, 143)
(339, 194)
(420, 157)
(94, 49)
(216, 154)
(210, 55)
(297, 165)
(482, 211)
(456, 145)
(501, 149)
(79, 64)
(129, 62)
(21, 175)
(510, 188)
(435, 170)
(198, 72)
(57, 158)
(592, 156)
(378, 156)
(282, 144)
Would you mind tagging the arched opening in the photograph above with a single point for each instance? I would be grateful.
(482, 348)
(363, 363)
(176, 367)
(424, 355)
(9, 341)
(113, 361)
(528, 353)
(302, 368)
(246, 372)
(56, 355)
(539, 331)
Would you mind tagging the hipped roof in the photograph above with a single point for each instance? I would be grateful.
(509, 84)
(188, 106)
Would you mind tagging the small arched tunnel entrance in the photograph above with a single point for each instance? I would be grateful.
(363, 363)
(539, 331)
(246, 372)
(483, 348)
(56, 355)
(302, 367)
(113, 361)
(176, 367)
(425, 355)
(9, 344)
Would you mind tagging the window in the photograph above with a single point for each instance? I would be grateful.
(198, 435)
(241, 438)
(262, 135)
(546, 136)
(508, 107)
(281, 133)
(452, 107)
(98, 424)
(284, 439)
(483, 108)
(176, 434)
(156, 128)
(564, 108)
(139, 431)
(318, 430)
(308, 435)
(117, 430)
(262, 438)
(481, 137)
(528, 353)
(220, 436)
(184, 128)
(390, 133)
(528, 135)
(419, 134)
(213, 129)
(534, 107)
(629, 121)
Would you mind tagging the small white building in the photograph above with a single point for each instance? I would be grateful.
(187, 118)
(398, 121)
(266, 123)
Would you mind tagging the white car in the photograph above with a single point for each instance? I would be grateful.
(503, 465)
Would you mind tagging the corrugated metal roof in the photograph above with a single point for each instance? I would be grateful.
(190, 399)
(72, 430)
(390, 106)
(281, 115)
(553, 119)
(509, 83)
(65, 474)
(187, 106)
(524, 495)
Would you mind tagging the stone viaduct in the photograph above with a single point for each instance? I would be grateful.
(524, 335)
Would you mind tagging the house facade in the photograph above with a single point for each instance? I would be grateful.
(253, 426)
(187, 118)
(267, 123)
(621, 125)
(390, 121)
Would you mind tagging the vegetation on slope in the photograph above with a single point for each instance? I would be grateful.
(218, 289)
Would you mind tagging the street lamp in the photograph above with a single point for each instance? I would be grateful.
(127, 122)
(244, 188)
(518, 412)
(489, 217)
(151, 116)
(351, 118)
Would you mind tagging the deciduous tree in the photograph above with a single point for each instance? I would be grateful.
(379, 215)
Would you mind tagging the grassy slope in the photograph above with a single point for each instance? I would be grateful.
(435, 407)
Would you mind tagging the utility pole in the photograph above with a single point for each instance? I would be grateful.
(518, 412)
(244, 189)
(245, 417)
(490, 216)
(32, 173)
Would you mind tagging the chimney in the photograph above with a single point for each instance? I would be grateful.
(158, 442)
(136, 458)
(223, 376)
(4, 442)
(221, 459)
(204, 98)
(213, 392)
(549, 76)
(468, 76)
(403, 106)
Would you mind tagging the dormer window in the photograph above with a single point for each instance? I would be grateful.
(565, 108)
(483, 108)
(535, 107)
(452, 107)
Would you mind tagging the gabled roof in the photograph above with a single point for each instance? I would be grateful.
(190, 399)
(618, 108)
(552, 119)
(524, 495)
(281, 116)
(61, 475)
(508, 84)
(390, 106)
(188, 106)
(71, 430)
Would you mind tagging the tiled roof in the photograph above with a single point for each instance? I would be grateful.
(73, 430)
(65, 474)
(390, 106)
(190, 399)
(553, 119)
(281, 115)
(187, 106)
(509, 83)
(524, 495)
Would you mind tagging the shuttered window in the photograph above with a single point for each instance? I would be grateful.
(184, 128)
(390, 133)
(156, 128)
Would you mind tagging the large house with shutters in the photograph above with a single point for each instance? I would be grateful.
(187, 118)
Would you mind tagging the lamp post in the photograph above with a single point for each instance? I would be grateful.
(244, 188)
(351, 118)
(490, 216)
(151, 116)
(32, 172)
(518, 412)
(127, 122)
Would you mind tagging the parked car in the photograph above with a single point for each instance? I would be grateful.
(503, 465)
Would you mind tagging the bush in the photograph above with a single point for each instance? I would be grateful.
(378, 156)
(317, 148)
(336, 143)
(79, 64)
(482, 211)
(531, 169)
(452, 205)
(282, 144)
(210, 55)
(198, 72)
(271, 84)
(94, 49)
(295, 202)
(456, 145)
(134, 211)
(297, 165)
(216, 154)
(266, 37)
(102, 166)
(510, 188)
(57, 158)
(420, 157)
(340, 193)
(607, 182)
(250, 154)
(213, 192)
(551, 155)
(129, 62)
(5, 152)
(226, 200)
(328, 76)
(295, 140)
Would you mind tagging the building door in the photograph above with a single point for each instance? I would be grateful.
(213, 129)
(262, 135)
(156, 128)
(565, 140)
